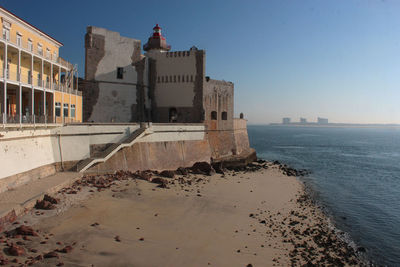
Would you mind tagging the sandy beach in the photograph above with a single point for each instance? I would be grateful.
(240, 218)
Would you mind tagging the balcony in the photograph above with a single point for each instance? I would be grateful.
(25, 78)
(32, 49)
(12, 75)
(47, 84)
(27, 119)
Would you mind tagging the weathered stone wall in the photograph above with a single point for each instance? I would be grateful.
(177, 85)
(107, 97)
(241, 138)
(218, 99)
(218, 96)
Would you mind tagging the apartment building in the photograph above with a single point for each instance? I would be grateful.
(36, 84)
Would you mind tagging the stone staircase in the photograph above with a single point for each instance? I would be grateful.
(85, 164)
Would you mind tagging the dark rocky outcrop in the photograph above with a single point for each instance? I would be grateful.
(202, 168)
(15, 250)
(167, 174)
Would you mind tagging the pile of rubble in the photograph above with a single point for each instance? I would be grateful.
(20, 243)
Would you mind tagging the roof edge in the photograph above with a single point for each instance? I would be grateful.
(30, 25)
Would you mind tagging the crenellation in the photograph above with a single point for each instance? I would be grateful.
(178, 90)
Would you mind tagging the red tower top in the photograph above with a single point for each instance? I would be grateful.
(157, 31)
(157, 41)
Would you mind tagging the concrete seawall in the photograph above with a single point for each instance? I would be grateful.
(27, 154)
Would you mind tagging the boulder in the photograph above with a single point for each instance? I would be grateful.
(66, 249)
(202, 168)
(15, 250)
(25, 230)
(218, 167)
(51, 254)
(160, 181)
(182, 171)
(167, 174)
(44, 205)
(51, 199)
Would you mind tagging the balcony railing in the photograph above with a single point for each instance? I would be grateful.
(27, 119)
(12, 75)
(33, 48)
(25, 78)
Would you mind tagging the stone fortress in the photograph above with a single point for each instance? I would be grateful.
(162, 86)
(151, 111)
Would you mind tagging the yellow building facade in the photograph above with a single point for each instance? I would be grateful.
(36, 84)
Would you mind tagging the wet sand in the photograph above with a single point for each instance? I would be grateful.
(262, 218)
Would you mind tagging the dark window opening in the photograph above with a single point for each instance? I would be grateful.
(214, 115)
(224, 115)
(58, 109)
(173, 115)
(66, 110)
(120, 73)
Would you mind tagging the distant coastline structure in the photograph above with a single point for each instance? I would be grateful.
(303, 120)
(322, 120)
(286, 121)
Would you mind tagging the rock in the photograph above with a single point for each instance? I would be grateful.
(3, 261)
(25, 230)
(67, 249)
(361, 249)
(182, 171)
(44, 205)
(39, 257)
(141, 239)
(15, 250)
(167, 174)
(60, 264)
(51, 199)
(117, 238)
(51, 254)
(218, 167)
(144, 175)
(160, 181)
(202, 168)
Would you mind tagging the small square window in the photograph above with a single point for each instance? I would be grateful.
(120, 73)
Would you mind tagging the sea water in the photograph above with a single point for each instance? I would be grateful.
(355, 176)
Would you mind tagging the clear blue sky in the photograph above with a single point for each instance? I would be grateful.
(338, 59)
